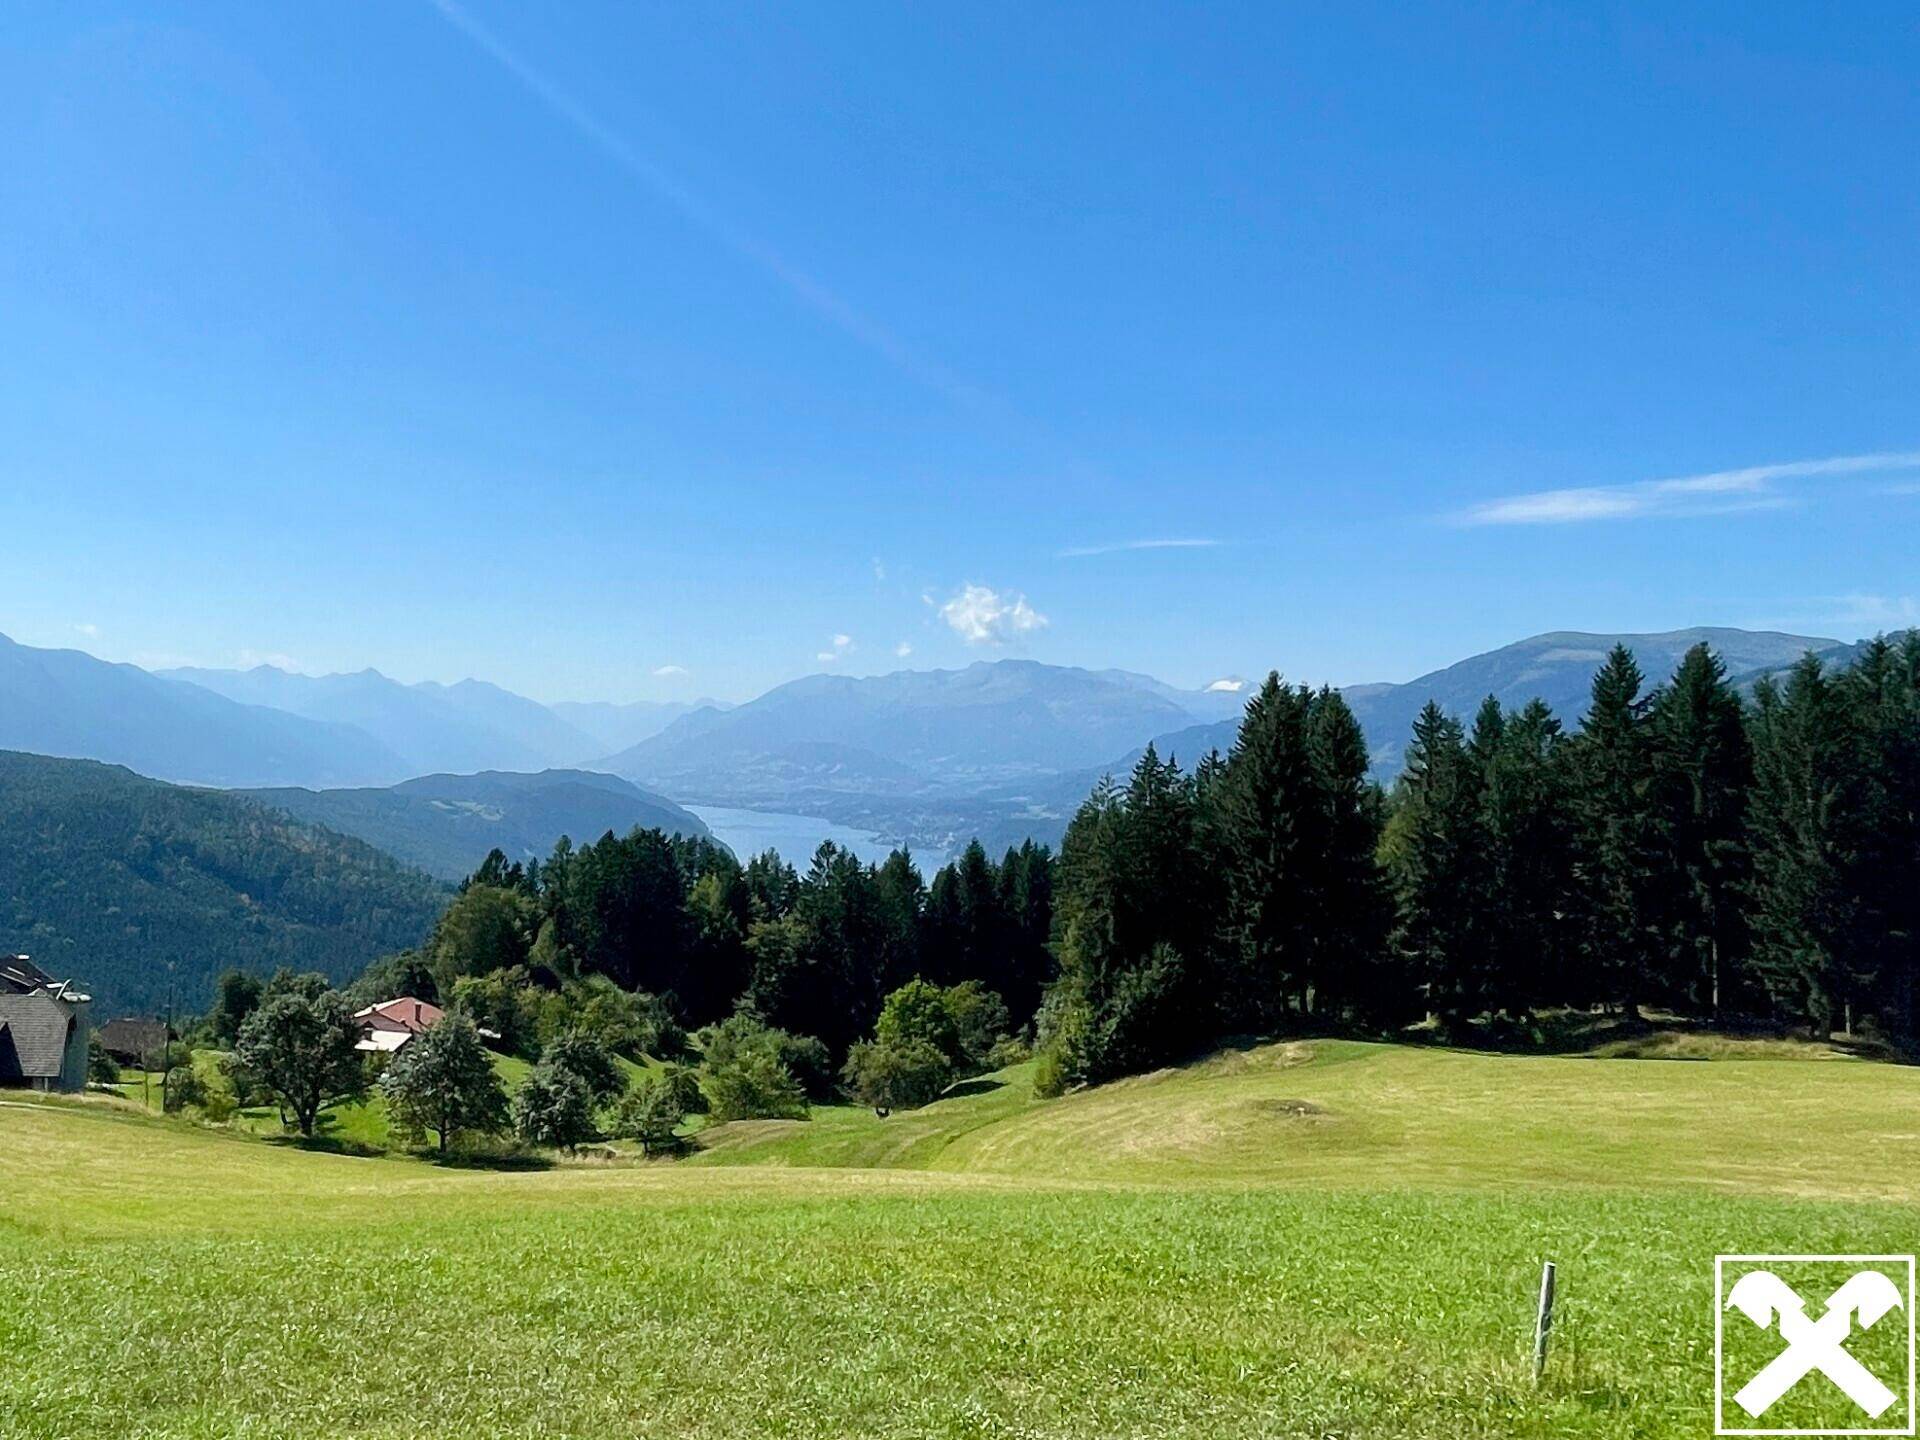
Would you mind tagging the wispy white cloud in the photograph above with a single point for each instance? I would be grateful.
(843, 642)
(668, 672)
(669, 188)
(828, 657)
(1720, 493)
(1081, 552)
(1875, 612)
(879, 569)
(903, 649)
(88, 629)
(1228, 685)
(980, 615)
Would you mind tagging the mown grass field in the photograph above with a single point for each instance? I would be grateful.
(1315, 1238)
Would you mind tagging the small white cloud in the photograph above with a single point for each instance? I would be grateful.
(668, 672)
(1081, 552)
(903, 649)
(1228, 685)
(879, 569)
(843, 642)
(1723, 492)
(828, 657)
(981, 615)
(88, 629)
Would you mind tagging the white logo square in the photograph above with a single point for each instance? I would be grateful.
(1798, 1312)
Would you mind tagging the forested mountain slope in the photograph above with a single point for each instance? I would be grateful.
(446, 824)
(108, 877)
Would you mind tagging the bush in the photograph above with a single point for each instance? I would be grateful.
(102, 1068)
(554, 1108)
(183, 1086)
(808, 1060)
(1142, 1026)
(652, 1114)
(1049, 1076)
(903, 1076)
(1008, 1050)
(919, 1013)
(753, 1084)
(684, 1086)
(500, 1002)
(584, 1057)
(980, 1019)
(630, 1023)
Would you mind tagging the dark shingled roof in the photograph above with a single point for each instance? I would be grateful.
(20, 976)
(132, 1035)
(33, 1035)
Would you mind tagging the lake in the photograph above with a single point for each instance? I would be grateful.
(748, 832)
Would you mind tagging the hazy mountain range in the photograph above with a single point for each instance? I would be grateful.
(446, 824)
(1000, 749)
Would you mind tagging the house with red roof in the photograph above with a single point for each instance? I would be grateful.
(386, 1027)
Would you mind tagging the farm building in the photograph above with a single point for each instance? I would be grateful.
(43, 1029)
(385, 1027)
(132, 1039)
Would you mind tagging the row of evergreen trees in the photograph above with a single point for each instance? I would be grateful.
(1685, 848)
(1682, 848)
(814, 953)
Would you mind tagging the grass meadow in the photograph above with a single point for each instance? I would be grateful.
(1304, 1239)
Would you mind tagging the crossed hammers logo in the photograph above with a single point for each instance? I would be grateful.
(1765, 1298)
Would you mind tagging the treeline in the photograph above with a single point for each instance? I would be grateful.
(1681, 848)
(689, 935)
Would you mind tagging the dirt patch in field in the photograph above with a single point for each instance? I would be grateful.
(1292, 1109)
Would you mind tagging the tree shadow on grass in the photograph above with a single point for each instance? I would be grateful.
(325, 1145)
(1652, 1036)
(503, 1160)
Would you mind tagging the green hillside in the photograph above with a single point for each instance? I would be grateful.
(446, 824)
(108, 877)
(1305, 1239)
(1345, 1113)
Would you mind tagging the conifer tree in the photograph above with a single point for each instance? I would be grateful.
(1702, 769)
(1882, 694)
(1805, 786)
(1619, 872)
(1436, 863)
(1266, 811)
(1523, 808)
(1352, 910)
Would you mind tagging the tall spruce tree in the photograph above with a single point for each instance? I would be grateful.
(1352, 911)
(1702, 769)
(1266, 810)
(1435, 854)
(1135, 987)
(1525, 787)
(1805, 789)
(1882, 694)
(1620, 875)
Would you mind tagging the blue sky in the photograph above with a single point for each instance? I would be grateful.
(658, 351)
